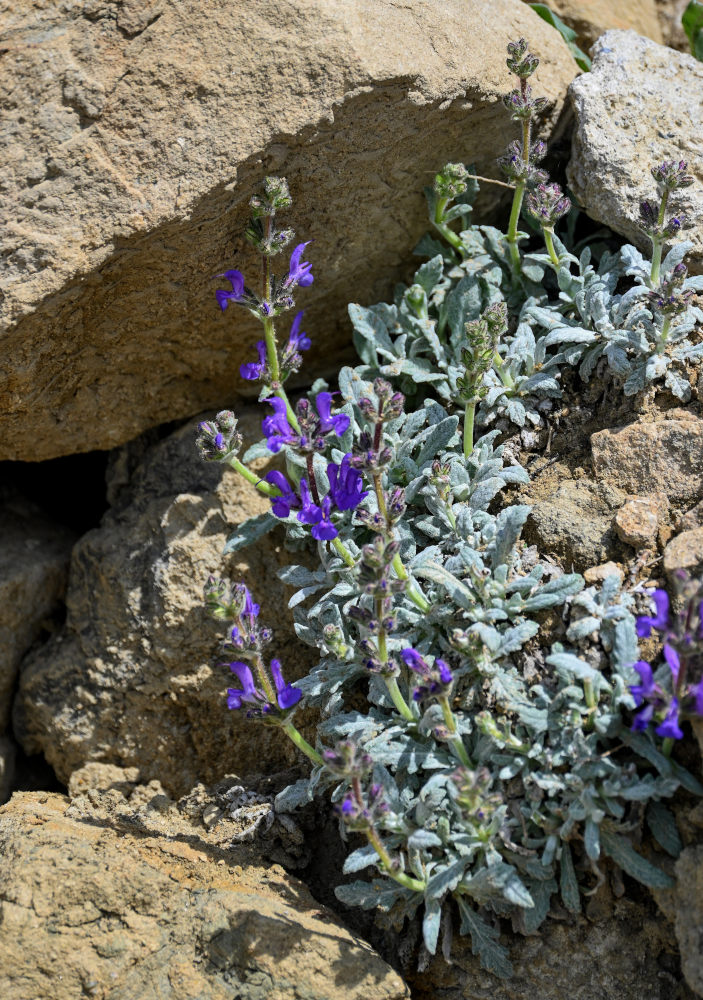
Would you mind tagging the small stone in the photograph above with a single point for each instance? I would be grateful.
(637, 521)
(693, 518)
(597, 574)
(685, 551)
(211, 815)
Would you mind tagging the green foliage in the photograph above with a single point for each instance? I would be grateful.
(567, 33)
(692, 21)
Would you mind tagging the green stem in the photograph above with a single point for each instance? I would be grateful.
(400, 877)
(412, 591)
(512, 227)
(658, 244)
(549, 243)
(380, 499)
(251, 477)
(668, 746)
(397, 698)
(302, 744)
(663, 336)
(344, 552)
(456, 740)
(449, 234)
(469, 412)
(499, 367)
(274, 368)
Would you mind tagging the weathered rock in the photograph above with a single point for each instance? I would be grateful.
(688, 904)
(693, 518)
(590, 18)
(597, 574)
(646, 457)
(670, 12)
(576, 523)
(129, 680)
(34, 556)
(135, 902)
(640, 104)
(637, 521)
(136, 140)
(685, 551)
(627, 955)
(8, 750)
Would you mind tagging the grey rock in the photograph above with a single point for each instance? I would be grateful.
(685, 551)
(34, 556)
(114, 898)
(649, 457)
(130, 679)
(576, 524)
(139, 131)
(641, 104)
(688, 905)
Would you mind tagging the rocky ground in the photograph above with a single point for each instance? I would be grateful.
(146, 861)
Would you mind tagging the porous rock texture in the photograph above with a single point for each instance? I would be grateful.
(130, 679)
(688, 906)
(34, 557)
(653, 456)
(590, 18)
(117, 902)
(134, 137)
(641, 104)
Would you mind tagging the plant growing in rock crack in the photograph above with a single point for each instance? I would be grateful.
(494, 769)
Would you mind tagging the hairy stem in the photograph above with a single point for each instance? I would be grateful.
(412, 591)
(311, 477)
(407, 881)
(469, 413)
(658, 244)
(344, 552)
(663, 336)
(456, 741)
(549, 243)
(251, 477)
(302, 744)
(449, 234)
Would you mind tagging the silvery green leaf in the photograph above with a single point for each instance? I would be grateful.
(675, 256)
(623, 854)
(572, 666)
(456, 590)
(429, 247)
(678, 385)
(258, 450)
(429, 273)
(446, 879)
(485, 942)
(642, 743)
(508, 528)
(368, 895)
(582, 628)
(592, 839)
(541, 892)
(554, 592)
(567, 881)
(514, 638)
(570, 335)
(431, 924)
(293, 796)
(436, 439)
(661, 822)
(360, 859)
(423, 839)
(250, 531)
(371, 332)
(516, 412)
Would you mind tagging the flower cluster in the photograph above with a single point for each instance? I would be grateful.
(678, 691)
(313, 424)
(345, 493)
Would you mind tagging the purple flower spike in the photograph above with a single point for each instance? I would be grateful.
(311, 513)
(445, 674)
(642, 691)
(337, 423)
(642, 719)
(298, 340)
(698, 705)
(435, 679)
(236, 279)
(276, 427)
(235, 696)
(672, 658)
(299, 274)
(287, 695)
(414, 661)
(281, 506)
(670, 728)
(255, 369)
(345, 485)
(645, 623)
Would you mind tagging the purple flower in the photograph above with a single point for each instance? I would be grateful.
(642, 719)
(250, 608)
(298, 340)
(672, 658)
(338, 423)
(248, 692)
(281, 506)
(435, 679)
(317, 516)
(276, 427)
(698, 709)
(236, 279)
(299, 274)
(645, 623)
(670, 728)
(287, 695)
(345, 485)
(255, 369)
(647, 688)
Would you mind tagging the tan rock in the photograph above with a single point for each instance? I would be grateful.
(122, 905)
(597, 574)
(639, 105)
(688, 903)
(685, 551)
(137, 136)
(647, 457)
(8, 751)
(637, 521)
(130, 679)
(34, 556)
(673, 35)
(590, 18)
(693, 518)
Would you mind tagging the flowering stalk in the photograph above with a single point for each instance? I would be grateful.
(669, 176)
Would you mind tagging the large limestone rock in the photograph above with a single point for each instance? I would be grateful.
(34, 556)
(640, 104)
(110, 904)
(137, 133)
(130, 679)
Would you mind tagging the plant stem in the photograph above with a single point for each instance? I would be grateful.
(658, 244)
(390, 681)
(518, 196)
(469, 412)
(549, 243)
(400, 877)
(668, 746)
(456, 740)
(449, 234)
(251, 477)
(412, 591)
(302, 744)
(505, 377)
(380, 498)
(398, 700)
(663, 336)
(311, 477)
(344, 552)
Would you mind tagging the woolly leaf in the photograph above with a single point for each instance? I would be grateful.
(567, 881)
(661, 822)
(250, 531)
(484, 942)
(623, 854)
